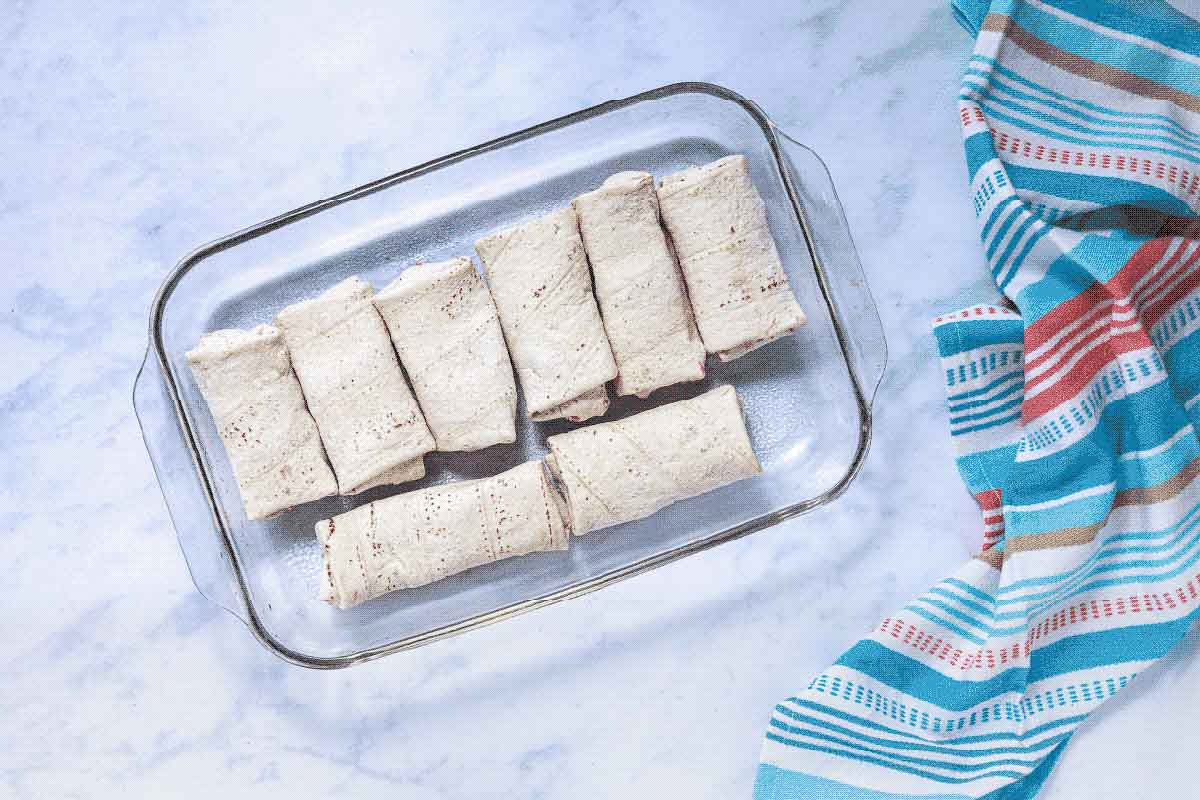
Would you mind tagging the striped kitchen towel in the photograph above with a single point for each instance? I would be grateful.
(1074, 408)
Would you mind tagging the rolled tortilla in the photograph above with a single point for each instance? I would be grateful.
(271, 440)
(642, 299)
(420, 537)
(620, 471)
(539, 278)
(370, 422)
(444, 326)
(738, 288)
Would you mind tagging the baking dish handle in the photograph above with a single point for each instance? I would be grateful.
(841, 272)
(206, 558)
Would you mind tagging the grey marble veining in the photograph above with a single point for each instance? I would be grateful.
(132, 134)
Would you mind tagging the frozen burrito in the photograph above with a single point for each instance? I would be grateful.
(272, 442)
(642, 300)
(718, 224)
(619, 471)
(539, 278)
(420, 537)
(444, 326)
(370, 422)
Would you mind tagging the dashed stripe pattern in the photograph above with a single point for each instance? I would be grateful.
(1072, 409)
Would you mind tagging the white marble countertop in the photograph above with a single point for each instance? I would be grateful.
(130, 137)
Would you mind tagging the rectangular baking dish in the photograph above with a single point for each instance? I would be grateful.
(807, 397)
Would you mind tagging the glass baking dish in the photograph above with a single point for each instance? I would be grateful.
(807, 397)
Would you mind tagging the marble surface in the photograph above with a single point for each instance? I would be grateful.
(130, 135)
